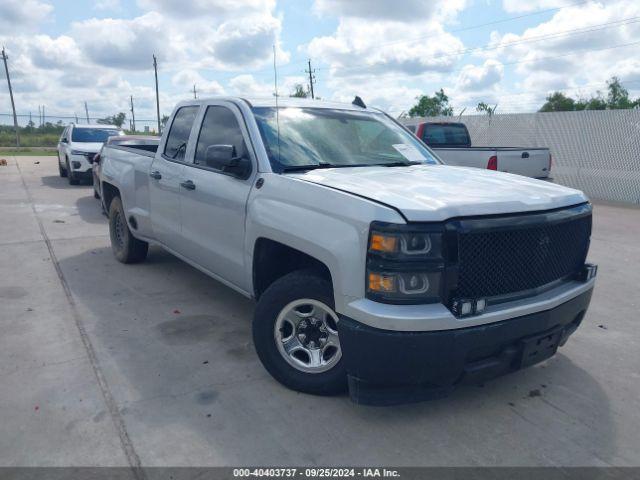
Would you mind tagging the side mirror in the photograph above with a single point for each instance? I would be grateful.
(224, 158)
(96, 158)
(64, 140)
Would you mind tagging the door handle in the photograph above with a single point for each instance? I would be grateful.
(188, 184)
(155, 175)
(525, 155)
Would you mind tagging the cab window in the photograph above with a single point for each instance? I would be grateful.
(219, 127)
(178, 137)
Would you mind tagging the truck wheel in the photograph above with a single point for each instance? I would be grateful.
(73, 180)
(126, 247)
(295, 334)
(61, 171)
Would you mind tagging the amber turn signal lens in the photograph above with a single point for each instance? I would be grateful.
(381, 283)
(383, 243)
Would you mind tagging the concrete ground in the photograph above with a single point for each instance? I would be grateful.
(152, 364)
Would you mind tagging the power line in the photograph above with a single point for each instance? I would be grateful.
(489, 46)
(13, 105)
(480, 25)
(422, 37)
(529, 60)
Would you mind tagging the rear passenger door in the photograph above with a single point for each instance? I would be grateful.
(214, 209)
(165, 176)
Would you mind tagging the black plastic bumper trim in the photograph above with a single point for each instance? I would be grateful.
(389, 367)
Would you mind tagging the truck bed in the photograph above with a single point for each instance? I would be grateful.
(530, 162)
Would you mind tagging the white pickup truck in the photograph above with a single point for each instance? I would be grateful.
(452, 143)
(374, 266)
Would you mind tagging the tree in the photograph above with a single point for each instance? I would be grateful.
(483, 107)
(299, 91)
(617, 98)
(432, 106)
(164, 120)
(558, 102)
(596, 102)
(117, 119)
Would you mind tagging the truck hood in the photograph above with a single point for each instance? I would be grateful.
(439, 192)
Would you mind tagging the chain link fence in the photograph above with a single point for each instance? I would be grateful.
(596, 151)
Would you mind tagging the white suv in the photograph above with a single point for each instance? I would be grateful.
(77, 146)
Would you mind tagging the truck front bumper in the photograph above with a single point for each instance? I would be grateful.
(388, 367)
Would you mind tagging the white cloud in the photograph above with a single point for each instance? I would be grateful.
(519, 6)
(213, 9)
(380, 46)
(480, 77)
(406, 11)
(127, 44)
(356, 48)
(111, 5)
(246, 42)
(54, 53)
(186, 79)
(23, 13)
(247, 85)
(569, 60)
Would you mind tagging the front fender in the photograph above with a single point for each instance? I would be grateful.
(326, 224)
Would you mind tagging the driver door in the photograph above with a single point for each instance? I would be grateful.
(214, 207)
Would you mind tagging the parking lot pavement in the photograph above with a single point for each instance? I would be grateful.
(110, 364)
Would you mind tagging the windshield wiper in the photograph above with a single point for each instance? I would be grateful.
(314, 166)
(311, 166)
(397, 164)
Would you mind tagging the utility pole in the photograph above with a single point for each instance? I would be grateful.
(13, 105)
(75, 115)
(195, 96)
(86, 111)
(44, 119)
(133, 117)
(155, 69)
(312, 79)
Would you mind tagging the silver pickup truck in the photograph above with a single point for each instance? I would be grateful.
(374, 267)
(452, 143)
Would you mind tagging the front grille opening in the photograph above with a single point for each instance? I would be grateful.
(494, 263)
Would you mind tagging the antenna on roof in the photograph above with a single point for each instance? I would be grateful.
(358, 102)
(275, 81)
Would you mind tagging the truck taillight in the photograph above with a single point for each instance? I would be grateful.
(492, 164)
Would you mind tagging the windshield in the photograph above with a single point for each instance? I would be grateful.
(322, 137)
(93, 135)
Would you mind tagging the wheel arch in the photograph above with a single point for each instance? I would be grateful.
(108, 193)
(273, 260)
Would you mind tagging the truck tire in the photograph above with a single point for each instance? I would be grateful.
(126, 247)
(71, 176)
(61, 171)
(295, 334)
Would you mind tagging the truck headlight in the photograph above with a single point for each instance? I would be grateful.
(408, 244)
(404, 263)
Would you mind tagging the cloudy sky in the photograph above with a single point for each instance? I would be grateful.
(510, 52)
